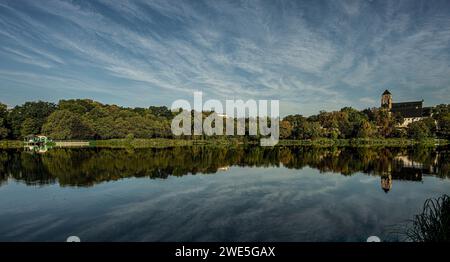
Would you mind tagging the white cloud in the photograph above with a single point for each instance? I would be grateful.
(230, 49)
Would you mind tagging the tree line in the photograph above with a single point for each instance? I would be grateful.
(83, 119)
(88, 119)
(349, 123)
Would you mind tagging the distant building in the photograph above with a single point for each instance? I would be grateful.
(410, 111)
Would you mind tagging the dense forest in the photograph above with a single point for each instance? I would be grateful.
(83, 119)
(87, 119)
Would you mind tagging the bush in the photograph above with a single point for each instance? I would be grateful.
(433, 224)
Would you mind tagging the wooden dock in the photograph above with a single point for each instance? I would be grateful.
(71, 143)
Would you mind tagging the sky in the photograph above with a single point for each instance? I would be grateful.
(310, 55)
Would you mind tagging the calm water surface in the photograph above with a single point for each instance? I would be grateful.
(216, 194)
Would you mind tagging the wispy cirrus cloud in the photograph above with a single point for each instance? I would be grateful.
(311, 56)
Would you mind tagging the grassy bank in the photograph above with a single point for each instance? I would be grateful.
(160, 143)
(11, 144)
(323, 142)
(390, 142)
(369, 142)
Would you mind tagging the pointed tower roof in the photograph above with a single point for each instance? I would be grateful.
(386, 92)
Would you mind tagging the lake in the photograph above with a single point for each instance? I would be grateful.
(216, 194)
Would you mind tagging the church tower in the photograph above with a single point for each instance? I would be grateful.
(386, 100)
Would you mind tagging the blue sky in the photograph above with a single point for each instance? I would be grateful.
(311, 55)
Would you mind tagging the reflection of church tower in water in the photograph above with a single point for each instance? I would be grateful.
(386, 183)
(386, 179)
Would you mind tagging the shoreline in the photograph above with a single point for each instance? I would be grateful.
(166, 143)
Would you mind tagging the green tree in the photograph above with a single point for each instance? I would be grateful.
(297, 122)
(357, 124)
(418, 130)
(399, 133)
(161, 111)
(441, 111)
(4, 131)
(444, 126)
(285, 129)
(365, 129)
(77, 106)
(312, 130)
(431, 125)
(385, 122)
(37, 111)
(30, 127)
(64, 124)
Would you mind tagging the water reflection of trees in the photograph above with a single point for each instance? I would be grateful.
(84, 167)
